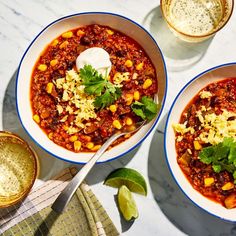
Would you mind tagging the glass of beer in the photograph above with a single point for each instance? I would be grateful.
(196, 20)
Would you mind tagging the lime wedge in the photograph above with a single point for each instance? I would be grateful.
(132, 179)
(127, 204)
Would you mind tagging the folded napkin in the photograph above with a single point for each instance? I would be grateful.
(83, 216)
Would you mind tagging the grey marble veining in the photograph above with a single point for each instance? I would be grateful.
(166, 210)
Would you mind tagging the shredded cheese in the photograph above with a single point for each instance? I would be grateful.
(59, 82)
(79, 103)
(72, 130)
(205, 94)
(120, 77)
(69, 109)
(182, 129)
(59, 109)
(217, 126)
(64, 118)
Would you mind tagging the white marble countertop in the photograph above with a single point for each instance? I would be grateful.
(165, 211)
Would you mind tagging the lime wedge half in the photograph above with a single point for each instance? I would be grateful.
(127, 204)
(132, 179)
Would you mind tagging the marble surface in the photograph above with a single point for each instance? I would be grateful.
(165, 211)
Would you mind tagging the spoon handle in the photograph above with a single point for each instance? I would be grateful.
(65, 196)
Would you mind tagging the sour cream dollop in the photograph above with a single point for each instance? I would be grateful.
(98, 58)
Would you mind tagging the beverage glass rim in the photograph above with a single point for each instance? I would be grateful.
(202, 35)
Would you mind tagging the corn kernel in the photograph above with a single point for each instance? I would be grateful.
(53, 62)
(230, 201)
(147, 83)
(110, 32)
(131, 128)
(36, 118)
(96, 147)
(139, 66)
(49, 87)
(113, 108)
(64, 44)
(77, 145)
(128, 63)
(129, 98)
(127, 136)
(50, 135)
(80, 32)
(197, 145)
(67, 35)
(128, 121)
(90, 145)
(208, 181)
(65, 127)
(42, 67)
(55, 42)
(136, 95)
(227, 186)
(73, 138)
(117, 124)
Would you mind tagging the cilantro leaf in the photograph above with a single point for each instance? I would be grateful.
(150, 115)
(117, 93)
(107, 98)
(206, 155)
(139, 112)
(106, 93)
(216, 168)
(95, 89)
(94, 82)
(149, 104)
(89, 75)
(103, 100)
(222, 156)
(232, 155)
(228, 141)
(146, 109)
(110, 87)
(221, 152)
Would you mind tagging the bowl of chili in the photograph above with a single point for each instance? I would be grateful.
(200, 140)
(85, 76)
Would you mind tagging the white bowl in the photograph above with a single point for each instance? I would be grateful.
(180, 102)
(51, 32)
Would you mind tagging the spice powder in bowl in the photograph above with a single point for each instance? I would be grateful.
(18, 169)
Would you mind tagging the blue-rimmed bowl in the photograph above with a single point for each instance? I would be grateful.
(181, 101)
(52, 31)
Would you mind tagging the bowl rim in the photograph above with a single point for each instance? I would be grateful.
(87, 13)
(166, 138)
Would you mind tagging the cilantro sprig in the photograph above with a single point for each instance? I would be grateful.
(146, 108)
(221, 156)
(95, 84)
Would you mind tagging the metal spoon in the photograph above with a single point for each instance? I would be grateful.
(65, 196)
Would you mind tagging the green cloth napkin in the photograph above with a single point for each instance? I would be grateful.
(83, 216)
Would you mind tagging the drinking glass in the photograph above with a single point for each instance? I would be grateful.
(196, 20)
